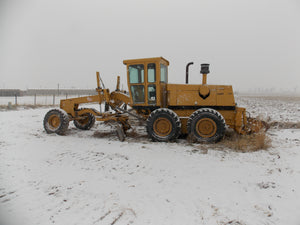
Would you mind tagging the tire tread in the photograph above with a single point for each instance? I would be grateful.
(221, 128)
(165, 112)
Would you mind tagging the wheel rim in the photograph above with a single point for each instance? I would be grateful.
(54, 121)
(206, 127)
(162, 127)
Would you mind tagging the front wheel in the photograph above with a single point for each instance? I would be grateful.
(206, 126)
(86, 122)
(163, 125)
(56, 121)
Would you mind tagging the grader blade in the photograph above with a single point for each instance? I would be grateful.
(120, 133)
(118, 128)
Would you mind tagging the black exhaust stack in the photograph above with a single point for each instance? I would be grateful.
(187, 72)
(204, 68)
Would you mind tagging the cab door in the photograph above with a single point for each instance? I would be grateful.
(151, 84)
(137, 83)
(143, 84)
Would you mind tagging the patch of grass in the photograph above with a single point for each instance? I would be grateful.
(246, 143)
(5, 107)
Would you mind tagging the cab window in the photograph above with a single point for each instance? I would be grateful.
(136, 74)
(151, 72)
(163, 73)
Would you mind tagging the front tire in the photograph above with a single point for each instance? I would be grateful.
(85, 123)
(56, 121)
(163, 125)
(206, 126)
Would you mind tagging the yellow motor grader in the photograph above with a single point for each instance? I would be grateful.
(200, 110)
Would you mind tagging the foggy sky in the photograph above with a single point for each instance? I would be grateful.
(249, 43)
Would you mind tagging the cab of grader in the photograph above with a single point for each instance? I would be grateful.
(200, 110)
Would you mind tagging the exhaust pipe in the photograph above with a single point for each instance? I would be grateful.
(187, 72)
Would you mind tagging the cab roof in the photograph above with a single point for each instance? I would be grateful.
(146, 60)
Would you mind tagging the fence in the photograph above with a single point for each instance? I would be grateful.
(34, 100)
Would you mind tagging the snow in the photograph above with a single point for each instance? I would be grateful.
(82, 178)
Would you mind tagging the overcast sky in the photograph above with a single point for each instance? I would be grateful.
(250, 44)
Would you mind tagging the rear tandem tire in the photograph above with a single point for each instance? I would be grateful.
(163, 125)
(206, 126)
(56, 121)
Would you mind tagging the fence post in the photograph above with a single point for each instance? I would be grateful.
(53, 99)
(16, 99)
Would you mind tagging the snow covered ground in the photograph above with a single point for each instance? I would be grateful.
(89, 178)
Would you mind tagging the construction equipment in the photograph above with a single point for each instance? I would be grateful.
(200, 110)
